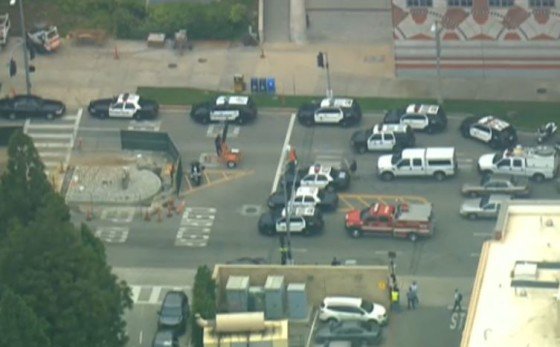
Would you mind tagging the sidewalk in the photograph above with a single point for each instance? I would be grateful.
(78, 74)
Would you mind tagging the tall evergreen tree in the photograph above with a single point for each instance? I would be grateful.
(19, 326)
(24, 187)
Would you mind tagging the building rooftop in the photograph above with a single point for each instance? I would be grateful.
(515, 299)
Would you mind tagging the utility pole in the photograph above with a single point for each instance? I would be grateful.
(436, 29)
(24, 45)
(323, 62)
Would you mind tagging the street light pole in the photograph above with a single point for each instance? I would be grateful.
(24, 45)
(329, 88)
(436, 29)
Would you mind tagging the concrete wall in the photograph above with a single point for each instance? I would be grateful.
(491, 41)
(368, 282)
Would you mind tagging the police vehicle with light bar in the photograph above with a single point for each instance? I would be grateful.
(124, 106)
(342, 111)
(421, 117)
(493, 131)
(238, 109)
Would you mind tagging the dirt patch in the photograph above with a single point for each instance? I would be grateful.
(101, 159)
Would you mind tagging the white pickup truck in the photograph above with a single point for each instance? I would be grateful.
(538, 163)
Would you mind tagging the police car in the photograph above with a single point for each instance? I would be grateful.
(497, 133)
(305, 197)
(383, 137)
(231, 108)
(124, 106)
(341, 111)
(428, 118)
(325, 177)
(303, 220)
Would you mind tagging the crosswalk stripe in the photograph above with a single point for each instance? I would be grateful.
(53, 145)
(32, 126)
(135, 291)
(154, 295)
(50, 136)
(52, 154)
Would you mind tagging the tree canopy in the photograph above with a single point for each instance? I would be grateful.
(57, 270)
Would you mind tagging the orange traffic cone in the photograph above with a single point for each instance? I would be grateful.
(181, 207)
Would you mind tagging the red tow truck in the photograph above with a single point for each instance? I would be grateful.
(402, 220)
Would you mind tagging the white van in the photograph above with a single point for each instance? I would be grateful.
(439, 162)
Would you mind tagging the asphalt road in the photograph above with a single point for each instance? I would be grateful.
(224, 212)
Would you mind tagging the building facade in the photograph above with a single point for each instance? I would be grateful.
(504, 38)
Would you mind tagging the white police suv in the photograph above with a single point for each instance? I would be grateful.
(340, 111)
(493, 131)
(421, 117)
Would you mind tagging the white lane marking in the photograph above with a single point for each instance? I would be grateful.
(140, 337)
(475, 255)
(283, 153)
(154, 295)
(100, 129)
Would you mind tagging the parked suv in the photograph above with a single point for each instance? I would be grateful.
(428, 118)
(438, 162)
(496, 132)
(306, 197)
(383, 137)
(225, 108)
(342, 111)
(174, 312)
(341, 308)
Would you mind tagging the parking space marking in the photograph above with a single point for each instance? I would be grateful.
(215, 177)
(118, 214)
(112, 234)
(359, 201)
(152, 295)
(217, 129)
(195, 227)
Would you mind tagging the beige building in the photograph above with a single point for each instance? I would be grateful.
(516, 295)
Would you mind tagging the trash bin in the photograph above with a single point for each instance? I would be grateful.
(254, 85)
(262, 85)
(271, 85)
(239, 83)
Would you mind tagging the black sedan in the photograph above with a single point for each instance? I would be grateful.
(338, 111)
(174, 312)
(353, 331)
(30, 106)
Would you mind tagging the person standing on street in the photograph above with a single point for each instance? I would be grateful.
(218, 144)
(414, 290)
(458, 297)
(410, 299)
(395, 298)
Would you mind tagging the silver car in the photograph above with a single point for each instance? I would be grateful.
(498, 184)
(485, 207)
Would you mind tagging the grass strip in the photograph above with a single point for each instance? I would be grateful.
(527, 115)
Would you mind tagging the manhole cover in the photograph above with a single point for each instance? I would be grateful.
(202, 60)
(541, 91)
(172, 65)
(250, 210)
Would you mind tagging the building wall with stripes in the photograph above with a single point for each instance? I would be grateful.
(477, 39)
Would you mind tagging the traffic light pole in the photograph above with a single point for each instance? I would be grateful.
(24, 45)
(329, 88)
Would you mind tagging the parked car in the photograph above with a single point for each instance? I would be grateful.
(305, 197)
(165, 338)
(342, 308)
(360, 332)
(485, 207)
(383, 137)
(174, 312)
(226, 108)
(340, 111)
(496, 132)
(517, 186)
(124, 106)
(30, 106)
(428, 118)
(304, 220)
(325, 177)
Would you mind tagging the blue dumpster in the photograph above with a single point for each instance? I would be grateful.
(271, 85)
(262, 85)
(254, 85)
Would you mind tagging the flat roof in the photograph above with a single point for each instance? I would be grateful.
(515, 302)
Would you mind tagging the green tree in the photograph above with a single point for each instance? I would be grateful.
(19, 326)
(66, 282)
(24, 187)
(203, 302)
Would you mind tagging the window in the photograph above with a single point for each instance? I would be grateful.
(404, 163)
(419, 3)
(500, 3)
(416, 162)
(376, 137)
(542, 3)
(439, 162)
(518, 163)
(457, 3)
